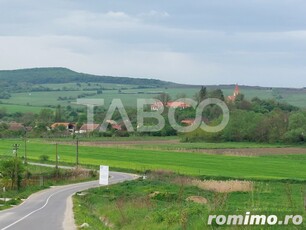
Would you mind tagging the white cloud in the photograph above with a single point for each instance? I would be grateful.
(203, 43)
(155, 14)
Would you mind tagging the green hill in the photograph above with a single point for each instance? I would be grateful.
(64, 75)
(33, 89)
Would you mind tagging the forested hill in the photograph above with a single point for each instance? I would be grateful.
(64, 75)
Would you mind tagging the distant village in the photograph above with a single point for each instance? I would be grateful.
(69, 128)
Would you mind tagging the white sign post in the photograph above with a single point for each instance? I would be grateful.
(104, 174)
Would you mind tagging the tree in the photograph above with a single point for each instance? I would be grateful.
(58, 114)
(164, 98)
(203, 94)
(217, 93)
(9, 168)
(28, 118)
(297, 128)
(3, 113)
(46, 116)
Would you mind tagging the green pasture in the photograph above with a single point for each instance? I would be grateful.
(85, 86)
(128, 94)
(42, 99)
(255, 167)
(21, 108)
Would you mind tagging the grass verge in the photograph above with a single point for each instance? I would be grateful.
(168, 201)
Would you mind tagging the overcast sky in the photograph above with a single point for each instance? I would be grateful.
(251, 42)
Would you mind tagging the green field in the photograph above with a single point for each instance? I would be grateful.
(21, 108)
(255, 167)
(41, 87)
(34, 101)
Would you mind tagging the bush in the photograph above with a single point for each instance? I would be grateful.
(43, 158)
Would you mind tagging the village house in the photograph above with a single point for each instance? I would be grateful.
(171, 104)
(87, 128)
(115, 125)
(190, 121)
(157, 106)
(68, 126)
(178, 104)
(14, 126)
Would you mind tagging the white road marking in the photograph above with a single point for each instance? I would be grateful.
(37, 210)
(31, 213)
(47, 201)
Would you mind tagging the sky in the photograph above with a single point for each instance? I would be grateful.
(203, 42)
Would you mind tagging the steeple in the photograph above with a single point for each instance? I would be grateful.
(235, 94)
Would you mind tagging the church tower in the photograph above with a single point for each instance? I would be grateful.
(235, 94)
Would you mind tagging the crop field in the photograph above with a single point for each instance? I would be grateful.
(69, 92)
(201, 164)
(21, 108)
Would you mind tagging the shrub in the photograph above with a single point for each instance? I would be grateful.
(43, 158)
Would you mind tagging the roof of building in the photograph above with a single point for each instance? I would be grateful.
(190, 121)
(89, 127)
(66, 124)
(14, 126)
(177, 104)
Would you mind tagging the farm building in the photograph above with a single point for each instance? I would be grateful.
(69, 126)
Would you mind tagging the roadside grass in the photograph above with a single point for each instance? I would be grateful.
(276, 167)
(161, 203)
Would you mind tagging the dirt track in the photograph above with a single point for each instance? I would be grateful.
(129, 143)
(254, 151)
(151, 144)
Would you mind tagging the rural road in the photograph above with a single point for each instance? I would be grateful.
(50, 209)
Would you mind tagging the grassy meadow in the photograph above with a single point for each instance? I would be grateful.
(190, 163)
(35, 101)
(165, 201)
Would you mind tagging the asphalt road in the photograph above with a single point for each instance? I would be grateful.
(50, 209)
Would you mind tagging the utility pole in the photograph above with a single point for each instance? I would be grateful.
(15, 151)
(25, 149)
(77, 152)
(56, 158)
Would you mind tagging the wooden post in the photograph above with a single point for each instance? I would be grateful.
(56, 160)
(77, 152)
(25, 150)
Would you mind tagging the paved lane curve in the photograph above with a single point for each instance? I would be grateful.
(47, 209)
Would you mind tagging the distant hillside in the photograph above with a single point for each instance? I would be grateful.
(64, 75)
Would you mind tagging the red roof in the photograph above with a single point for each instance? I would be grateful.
(117, 127)
(190, 121)
(157, 105)
(67, 125)
(177, 104)
(14, 126)
(89, 127)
